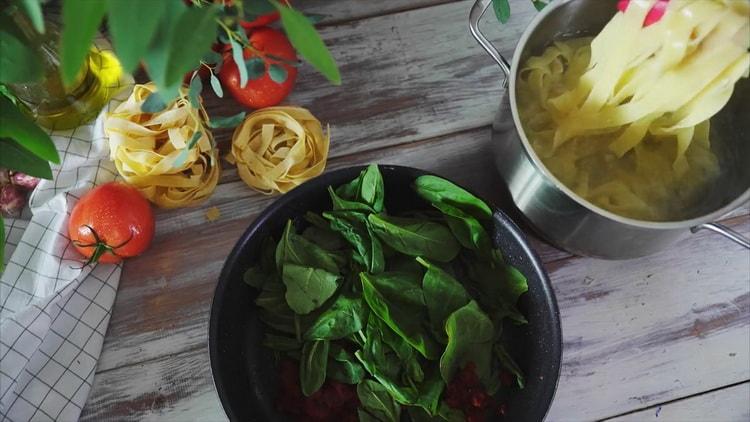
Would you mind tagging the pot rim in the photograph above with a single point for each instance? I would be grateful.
(539, 166)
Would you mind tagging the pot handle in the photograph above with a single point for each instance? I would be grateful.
(724, 231)
(476, 13)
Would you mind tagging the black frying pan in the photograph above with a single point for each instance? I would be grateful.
(244, 372)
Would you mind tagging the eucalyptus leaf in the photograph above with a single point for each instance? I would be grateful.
(415, 237)
(256, 68)
(194, 28)
(194, 90)
(313, 366)
(18, 62)
(211, 57)
(123, 18)
(154, 103)
(157, 56)
(307, 288)
(539, 4)
(502, 10)
(13, 156)
(216, 86)
(81, 19)
(277, 73)
(257, 7)
(227, 121)
(307, 42)
(239, 60)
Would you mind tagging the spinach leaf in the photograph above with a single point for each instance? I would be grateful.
(407, 355)
(367, 188)
(443, 294)
(500, 286)
(343, 366)
(326, 239)
(354, 228)
(345, 317)
(377, 402)
(445, 413)
(281, 343)
(307, 288)
(404, 263)
(398, 300)
(470, 338)
(507, 361)
(295, 249)
(467, 229)
(312, 367)
(438, 190)
(415, 237)
(341, 204)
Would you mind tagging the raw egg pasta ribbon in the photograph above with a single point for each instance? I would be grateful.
(278, 148)
(150, 150)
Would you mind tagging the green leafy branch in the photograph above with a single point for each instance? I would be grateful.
(502, 8)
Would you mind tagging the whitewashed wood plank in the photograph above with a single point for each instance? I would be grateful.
(337, 11)
(645, 331)
(636, 333)
(176, 389)
(731, 404)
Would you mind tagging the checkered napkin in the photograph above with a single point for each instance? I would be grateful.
(53, 313)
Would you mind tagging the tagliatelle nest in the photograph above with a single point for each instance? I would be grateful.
(150, 150)
(279, 148)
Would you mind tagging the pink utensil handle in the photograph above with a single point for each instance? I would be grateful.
(653, 16)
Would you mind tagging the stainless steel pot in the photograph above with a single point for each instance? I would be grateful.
(566, 219)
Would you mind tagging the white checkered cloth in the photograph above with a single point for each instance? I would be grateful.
(53, 313)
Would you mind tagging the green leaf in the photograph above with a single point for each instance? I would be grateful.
(307, 288)
(257, 7)
(238, 58)
(32, 9)
(324, 237)
(502, 10)
(256, 277)
(154, 103)
(81, 20)
(507, 361)
(18, 61)
(157, 55)
(15, 157)
(193, 35)
(18, 126)
(467, 229)
(354, 228)
(341, 204)
(307, 42)
(368, 189)
(345, 317)
(277, 73)
(377, 402)
(227, 121)
(438, 190)
(256, 68)
(133, 24)
(500, 286)
(470, 338)
(397, 299)
(295, 249)
(216, 86)
(281, 343)
(211, 57)
(194, 91)
(313, 365)
(539, 4)
(443, 294)
(343, 366)
(415, 237)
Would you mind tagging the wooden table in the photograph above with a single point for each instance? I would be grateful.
(664, 337)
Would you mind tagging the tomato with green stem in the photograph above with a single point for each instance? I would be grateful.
(111, 222)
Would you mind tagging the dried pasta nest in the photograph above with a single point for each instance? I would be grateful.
(279, 148)
(151, 150)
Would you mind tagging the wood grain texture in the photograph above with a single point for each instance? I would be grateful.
(636, 333)
(731, 404)
(337, 11)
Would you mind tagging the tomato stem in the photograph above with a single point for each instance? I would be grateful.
(100, 247)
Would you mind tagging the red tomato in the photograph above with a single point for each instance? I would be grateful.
(262, 20)
(111, 222)
(261, 92)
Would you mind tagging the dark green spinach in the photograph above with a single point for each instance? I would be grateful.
(313, 364)
(415, 237)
